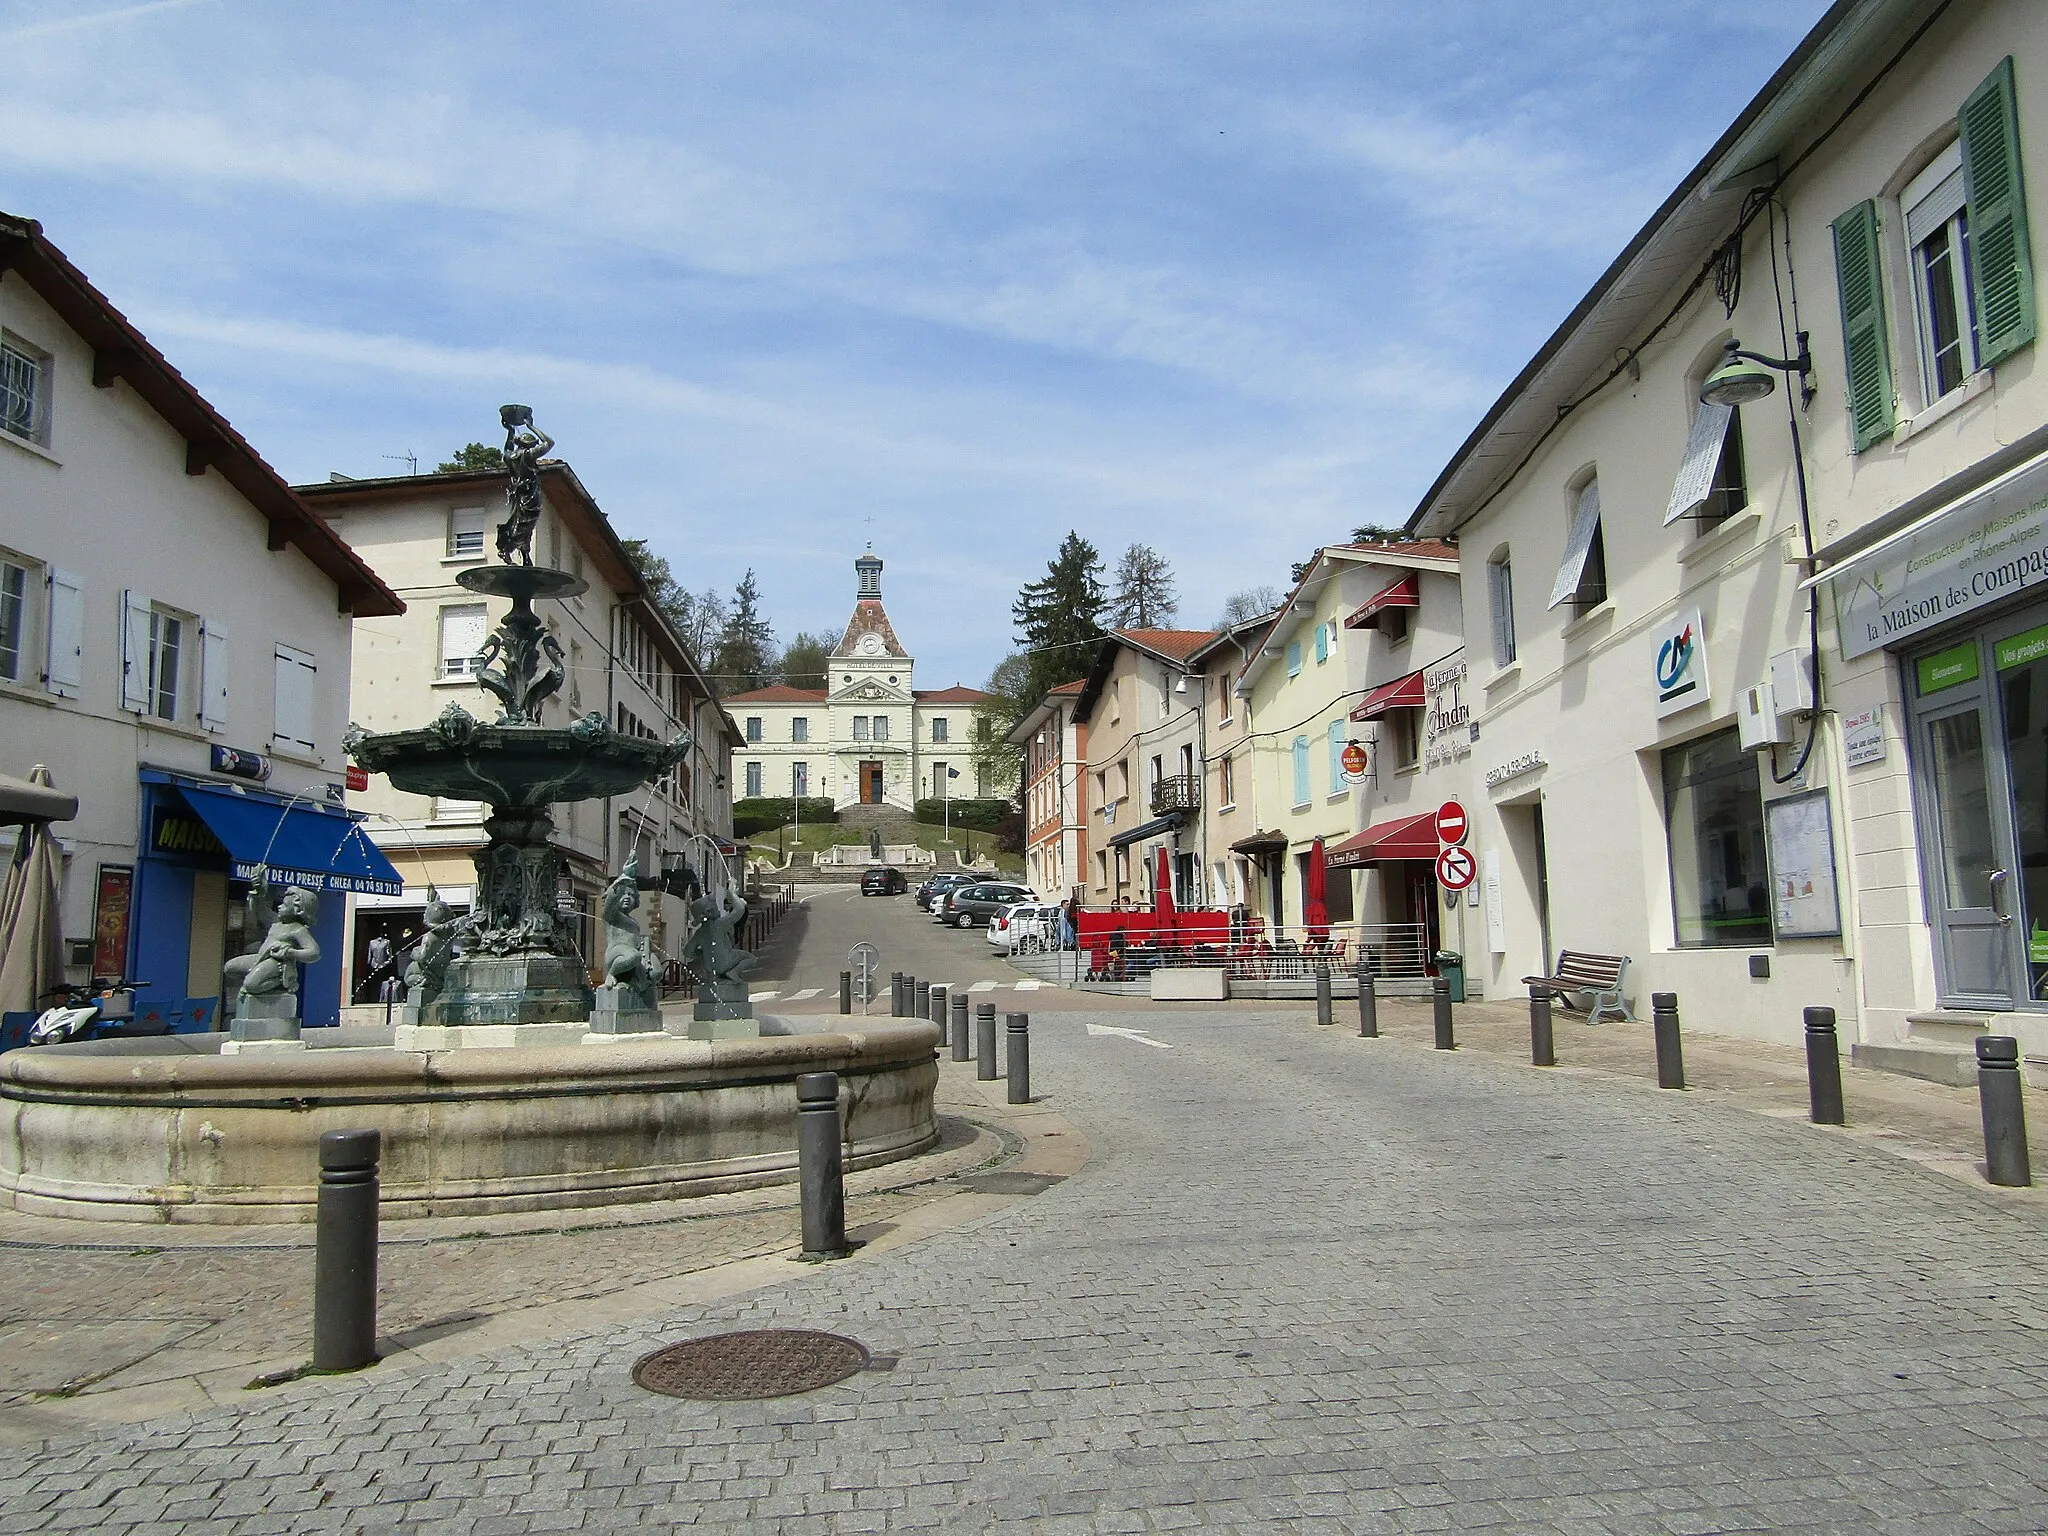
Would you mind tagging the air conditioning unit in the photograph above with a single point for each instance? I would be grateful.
(1757, 721)
(1792, 682)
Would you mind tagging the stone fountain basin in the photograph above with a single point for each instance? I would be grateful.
(514, 765)
(206, 1138)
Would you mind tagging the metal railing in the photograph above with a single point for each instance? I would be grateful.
(1182, 792)
(1385, 951)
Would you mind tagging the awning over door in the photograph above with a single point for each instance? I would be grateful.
(299, 844)
(1405, 837)
(1404, 593)
(1406, 694)
(1159, 826)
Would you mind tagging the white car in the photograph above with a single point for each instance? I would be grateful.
(1027, 926)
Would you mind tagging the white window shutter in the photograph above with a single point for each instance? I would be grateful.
(213, 677)
(64, 668)
(295, 677)
(1578, 546)
(134, 652)
(1702, 457)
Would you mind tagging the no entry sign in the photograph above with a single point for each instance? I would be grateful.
(1450, 823)
(1455, 868)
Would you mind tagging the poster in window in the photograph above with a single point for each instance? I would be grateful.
(110, 920)
(1802, 846)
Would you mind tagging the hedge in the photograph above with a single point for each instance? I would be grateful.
(766, 813)
(981, 815)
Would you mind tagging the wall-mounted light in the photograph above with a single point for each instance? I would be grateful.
(1746, 376)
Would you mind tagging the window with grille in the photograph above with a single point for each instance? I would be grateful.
(24, 391)
(466, 531)
(463, 630)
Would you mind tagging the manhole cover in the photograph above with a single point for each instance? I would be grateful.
(1012, 1183)
(766, 1362)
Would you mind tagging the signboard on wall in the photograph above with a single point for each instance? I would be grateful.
(1678, 650)
(1446, 717)
(1802, 850)
(110, 920)
(1496, 909)
(1863, 737)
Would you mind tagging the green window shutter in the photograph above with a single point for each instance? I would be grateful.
(1866, 344)
(1993, 191)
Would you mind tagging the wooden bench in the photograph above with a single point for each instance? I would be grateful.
(1597, 976)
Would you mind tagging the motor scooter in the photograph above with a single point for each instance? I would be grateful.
(87, 1009)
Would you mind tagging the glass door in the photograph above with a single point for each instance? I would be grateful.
(2020, 662)
(1971, 878)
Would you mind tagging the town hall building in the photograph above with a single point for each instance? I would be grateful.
(866, 738)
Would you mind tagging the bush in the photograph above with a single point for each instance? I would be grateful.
(771, 811)
(978, 815)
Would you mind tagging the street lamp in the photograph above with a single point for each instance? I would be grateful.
(1746, 376)
(946, 800)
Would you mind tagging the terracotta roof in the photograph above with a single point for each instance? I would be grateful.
(777, 693)
(868, 618)
(121, 352)
(957, 694)
(1074, 687)
(1421, 549)
(1174, 644)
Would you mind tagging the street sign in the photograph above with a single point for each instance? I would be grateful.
(357, 779)
(1451, 825)
(1456, 868)
(866, 961)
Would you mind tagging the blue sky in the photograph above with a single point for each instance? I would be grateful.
(1226, 278)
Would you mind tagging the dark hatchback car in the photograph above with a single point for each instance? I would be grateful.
(929, 893)
(973, 905)
(883, 882)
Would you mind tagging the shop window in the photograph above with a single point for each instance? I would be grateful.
(1714, 819)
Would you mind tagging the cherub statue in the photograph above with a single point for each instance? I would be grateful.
(525, 446)
(271, 969)
(625, 949)
(423, 978)
(712, 950)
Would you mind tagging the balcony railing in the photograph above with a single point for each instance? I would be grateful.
(1182, 792)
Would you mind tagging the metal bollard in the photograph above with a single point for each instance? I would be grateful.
(1824, 1068)
(1440, 995)
(2005, 1112)
(345, 1252)
(1018, 1066)
(1542, 1043)
(1670, 1051)
(985, 1042)
(820, 1171)
(1368, 1006)
(895, 994)
(1323, 995)
(959, 1006)
(923, 1007)
(938, 1009)
(846, 991)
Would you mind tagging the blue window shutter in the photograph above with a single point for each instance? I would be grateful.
(2002, 267)
(1301, 794)
(1294, 658)
(1866, 343)
(1337, 741)
(1322, 644)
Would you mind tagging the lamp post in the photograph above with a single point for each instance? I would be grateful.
(946, 800)
(1745, 376)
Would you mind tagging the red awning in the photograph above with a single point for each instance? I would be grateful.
(1406, 694)
(1402, 594)
(1406, 837)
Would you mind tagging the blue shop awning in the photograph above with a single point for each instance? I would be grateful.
(301, 845)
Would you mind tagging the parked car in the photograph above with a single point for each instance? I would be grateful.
(938, 885)
(883, 881)
(1030, 927)
(973, 905)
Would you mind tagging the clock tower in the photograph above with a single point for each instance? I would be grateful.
(873, 710)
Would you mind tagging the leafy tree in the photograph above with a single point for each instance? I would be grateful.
(703, 619)
(1059, 616)
(1248, 604)
(1374, 533)
(472, 456)
(803, 659)
(1011, 697)
(745, 657)
(1145, 596)
(663, 590)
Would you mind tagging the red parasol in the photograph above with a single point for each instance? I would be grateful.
(1317, 915)
(1162, 888)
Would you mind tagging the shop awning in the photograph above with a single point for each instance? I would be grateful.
(1261, 842)
(1405, 837)
(22, 802)
(1404, 593)
(1159, 826)
(300, 844)
(1406, 694)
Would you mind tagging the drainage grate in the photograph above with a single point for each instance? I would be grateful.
(766, 1362)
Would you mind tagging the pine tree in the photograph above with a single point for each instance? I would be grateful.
(1059, 616)
(472, 456)
(1145, 596)
(745, 658)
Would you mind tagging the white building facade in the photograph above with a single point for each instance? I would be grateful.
(174, 645)
(868, 737)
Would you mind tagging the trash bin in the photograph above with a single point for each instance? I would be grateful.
(1451, 966)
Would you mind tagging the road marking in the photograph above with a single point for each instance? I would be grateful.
(762, 997)
(797, 997)
(1129, 1034)
(1029, 986)
(983, 986)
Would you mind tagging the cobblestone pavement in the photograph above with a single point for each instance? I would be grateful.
(1305, 1283)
